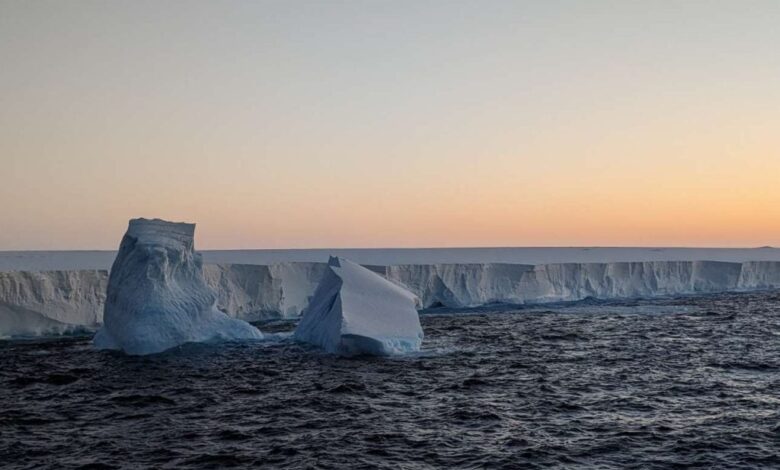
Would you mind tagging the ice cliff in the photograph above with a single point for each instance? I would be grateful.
(474, 285)
(17, 321)
(284, 289)
(65, 296)
(255, 292)
(157, 297)
(356, 311)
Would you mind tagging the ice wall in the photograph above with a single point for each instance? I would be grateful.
(75, 297)
(157, 297)
(461, 285)
(16, 321)
(256, 292)
(283, 290)
(759, 275)
(475, 285)
(566, 282)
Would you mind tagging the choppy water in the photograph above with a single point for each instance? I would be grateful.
(646, 384)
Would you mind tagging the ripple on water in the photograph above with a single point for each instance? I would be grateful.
(653, 384)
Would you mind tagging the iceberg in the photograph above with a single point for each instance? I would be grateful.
(461, 285)
(262, 292)
(157, 297)
(284, 290)
(474, 285)
(18, 322)
(73, 297)
(356, 311)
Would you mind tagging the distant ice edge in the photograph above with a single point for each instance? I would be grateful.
(283, 290)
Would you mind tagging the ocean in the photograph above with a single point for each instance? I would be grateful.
(662, 383)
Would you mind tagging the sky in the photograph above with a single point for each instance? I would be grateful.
(287, 124)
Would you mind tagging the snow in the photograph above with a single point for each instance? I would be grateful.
(101, 260)
(356, 311)
(157, 297)
(516, 255)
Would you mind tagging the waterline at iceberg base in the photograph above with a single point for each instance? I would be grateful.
(157, 298)
(356, 311)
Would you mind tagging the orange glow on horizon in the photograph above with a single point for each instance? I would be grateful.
(273, 126)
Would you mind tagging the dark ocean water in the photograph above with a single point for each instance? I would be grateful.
(687, 382)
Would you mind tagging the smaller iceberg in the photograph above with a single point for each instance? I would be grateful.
(157, 297)
(356, 311)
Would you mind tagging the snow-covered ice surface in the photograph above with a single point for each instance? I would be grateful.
(356, 311)
(73, 260)
(157, 297)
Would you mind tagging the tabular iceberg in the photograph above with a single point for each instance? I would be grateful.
(157, 297)
(75, 297)
(259, 292)
(16, 321)
(283, 290)
(356, 311)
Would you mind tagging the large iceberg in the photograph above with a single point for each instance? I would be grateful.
(16, 321)
(284, 290)
(356, 311)
(75, 297)
(479, 284)
(260, 292)
(157, 297)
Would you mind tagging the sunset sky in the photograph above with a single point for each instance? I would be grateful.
(276, 124)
